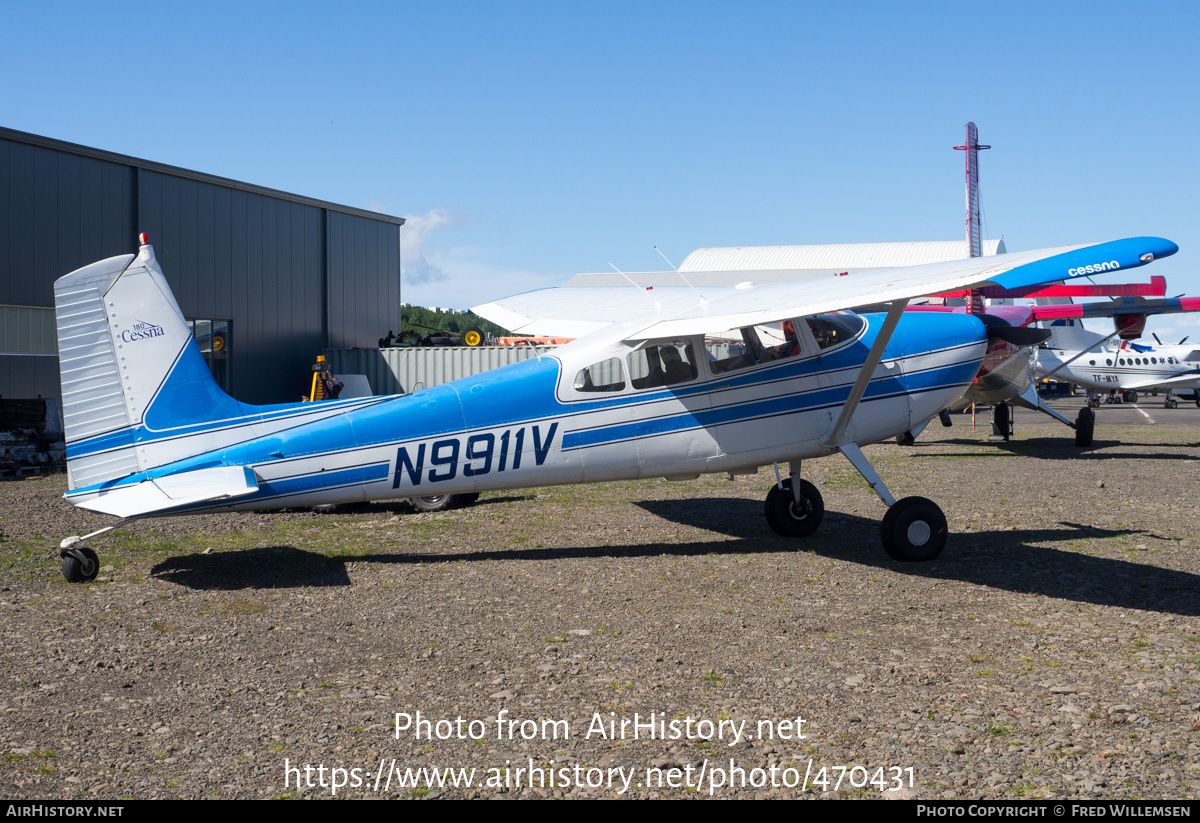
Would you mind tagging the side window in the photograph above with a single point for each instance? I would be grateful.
(605, 376)
(773, 341)
(728, 351)
(834, 329)
(739, 348)
(662, 364)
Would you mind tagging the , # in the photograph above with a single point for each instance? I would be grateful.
(667, 383)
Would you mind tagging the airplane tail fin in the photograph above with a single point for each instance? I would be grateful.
(127, 357)
(1069, 333)
(1066, 332)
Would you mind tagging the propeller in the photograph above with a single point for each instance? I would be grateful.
(1018, 335)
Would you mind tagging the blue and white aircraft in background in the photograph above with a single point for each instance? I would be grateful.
(672, 382)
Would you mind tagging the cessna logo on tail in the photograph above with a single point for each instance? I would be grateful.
(141, 331)
(1094, 268)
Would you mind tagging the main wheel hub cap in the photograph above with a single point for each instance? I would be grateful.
(918, 533)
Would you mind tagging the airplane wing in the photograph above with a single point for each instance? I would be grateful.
(1181, 380)
(669, 311)
(1113, 308)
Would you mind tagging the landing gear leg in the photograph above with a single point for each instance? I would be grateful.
(913, 528)
(1170, 402)
(79, 563)
(794, 507)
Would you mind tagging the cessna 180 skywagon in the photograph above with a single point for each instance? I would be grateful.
(672, 383)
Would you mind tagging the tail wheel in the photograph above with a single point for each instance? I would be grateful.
(472, 337)
(914, 529)
(80, 565)
(788, 517)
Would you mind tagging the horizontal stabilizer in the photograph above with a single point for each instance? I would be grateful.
(174, 491)
(1114, 308)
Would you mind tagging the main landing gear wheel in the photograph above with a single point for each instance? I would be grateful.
(80, 564)
(432, 503)
(789, 518)
(442, 502)
(1094, 401)
(1171, 403)
(1130, 397)
(1085, 427)
(914, 529)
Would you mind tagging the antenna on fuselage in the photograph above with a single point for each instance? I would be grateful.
(635, 285)
(664, 257)
(623, 274)
(682, 276)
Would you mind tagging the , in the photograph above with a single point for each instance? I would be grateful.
(669, 383)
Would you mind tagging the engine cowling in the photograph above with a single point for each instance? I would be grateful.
(1130, 326)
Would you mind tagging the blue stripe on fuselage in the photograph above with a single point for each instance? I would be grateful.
(956, 375)
(526, 393)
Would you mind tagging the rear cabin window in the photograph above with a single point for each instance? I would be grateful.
(605, 376)
(662, 364)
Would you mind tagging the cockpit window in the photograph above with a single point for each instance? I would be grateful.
(662, 364)
(605, 376)
(834, 329)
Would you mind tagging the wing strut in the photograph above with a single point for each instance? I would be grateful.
(866, 374)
